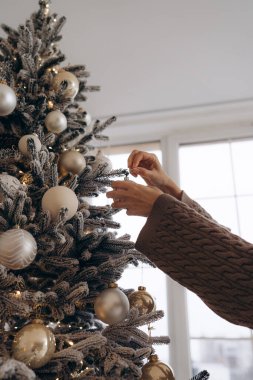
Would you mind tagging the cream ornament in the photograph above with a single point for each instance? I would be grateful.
(112, 305)
(9, 185)
(18, 249)
(66, 83)
(60, 197)
(100, 160)
(56, 122)
(142, 301)
(156, 370)
(34, 345)
(8, 100)
(71, 161)
(22, 144)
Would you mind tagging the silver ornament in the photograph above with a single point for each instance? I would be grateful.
(9, 185)
(112, 305)
(60, 197)
(56, 121)
(66, 83)
(71, 161)
(18, 249)
(8, 100)
(34, 344)
(22, 144)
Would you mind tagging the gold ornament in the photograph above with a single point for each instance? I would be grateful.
(156, 370)
(112, 305)
(59, 197)
(34, 344)
(66, 83)
(71, 161)
(142, 301)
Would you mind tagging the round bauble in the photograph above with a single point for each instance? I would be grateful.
(142, 301)
(71, 161)
(22, 145)
(8, 100)
(156, 370)
(59, 197)
(56, 122)
(34, 345)
(18, 249)
(66, 83)
(9, 185)
(102, 160)
(112, 305)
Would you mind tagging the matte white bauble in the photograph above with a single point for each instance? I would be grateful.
(18, 249)
(22, 144)
(101, 160)
(56, 121)
(9, 185)
(8, 100)
(66, 83)
(71, 161)
(60, 197)
(112, 305)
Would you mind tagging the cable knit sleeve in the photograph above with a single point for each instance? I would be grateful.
(182, 239)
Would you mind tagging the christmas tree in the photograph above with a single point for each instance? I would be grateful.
(62, 315)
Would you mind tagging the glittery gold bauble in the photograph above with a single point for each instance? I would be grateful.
(66, 83)
(156, 370)
(142, 301)
(112, 305)
(71, 161)
(59, 197)
(34, 344)
(18, 248)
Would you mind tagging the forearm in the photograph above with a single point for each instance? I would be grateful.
(201, 255)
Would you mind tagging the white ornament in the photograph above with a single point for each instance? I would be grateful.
(56, 121)
(18, 249)
(22, 144)
(112, 305)
(9, 185)
(100, 160)
(8, 100)
(60, 197)
(66, 83)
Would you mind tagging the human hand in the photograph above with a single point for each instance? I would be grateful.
(136, 199)
(149, 168)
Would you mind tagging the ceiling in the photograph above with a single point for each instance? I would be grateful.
(152, 55)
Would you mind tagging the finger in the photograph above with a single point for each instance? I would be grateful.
(130, 158)
(116, 194)
(138, 157)
(125, 185)
(119, 204)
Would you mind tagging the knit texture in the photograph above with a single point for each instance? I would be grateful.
(183, 240)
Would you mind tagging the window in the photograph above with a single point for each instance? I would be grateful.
(152, 278)
(218, 175)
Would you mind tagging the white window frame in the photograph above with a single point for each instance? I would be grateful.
(172, 128)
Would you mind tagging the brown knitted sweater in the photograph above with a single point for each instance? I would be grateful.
(183, 240)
